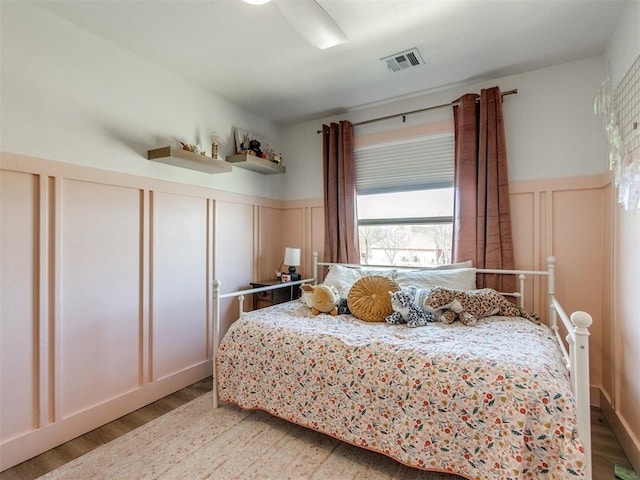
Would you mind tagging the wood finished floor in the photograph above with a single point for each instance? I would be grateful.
(606, 449)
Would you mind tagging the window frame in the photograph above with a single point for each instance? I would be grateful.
(442, 166)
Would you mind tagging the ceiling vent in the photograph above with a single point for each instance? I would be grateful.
(403, 60)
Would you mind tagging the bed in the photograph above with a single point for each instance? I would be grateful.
(502, 399)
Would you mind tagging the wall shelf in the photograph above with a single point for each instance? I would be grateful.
(256, 164)
(186, 159)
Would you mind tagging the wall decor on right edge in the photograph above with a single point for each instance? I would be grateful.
(621, 111)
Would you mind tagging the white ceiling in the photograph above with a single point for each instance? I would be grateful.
(254, 57)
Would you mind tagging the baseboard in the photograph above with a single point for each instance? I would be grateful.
(594, 396)
(631, 449)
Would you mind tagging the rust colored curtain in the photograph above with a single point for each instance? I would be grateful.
(482, 212)
(340, 216)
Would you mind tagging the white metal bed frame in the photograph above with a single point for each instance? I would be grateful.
(577, 325)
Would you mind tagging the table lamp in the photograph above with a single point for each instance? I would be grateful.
(292, 258)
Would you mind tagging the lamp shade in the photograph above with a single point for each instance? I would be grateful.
(292, 256)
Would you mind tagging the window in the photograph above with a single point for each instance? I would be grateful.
(405, 201)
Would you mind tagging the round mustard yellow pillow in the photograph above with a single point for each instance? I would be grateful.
(369, 298)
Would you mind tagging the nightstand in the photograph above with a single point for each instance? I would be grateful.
(272, 297)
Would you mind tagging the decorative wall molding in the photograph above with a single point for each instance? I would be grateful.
(620, 109)
(106, 292)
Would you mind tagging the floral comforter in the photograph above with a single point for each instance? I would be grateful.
(491, 401)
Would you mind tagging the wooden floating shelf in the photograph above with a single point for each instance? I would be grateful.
(187, 159)
(256, 164)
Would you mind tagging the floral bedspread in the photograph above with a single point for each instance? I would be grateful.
(490, 401)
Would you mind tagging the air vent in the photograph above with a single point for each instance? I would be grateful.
(403, 60)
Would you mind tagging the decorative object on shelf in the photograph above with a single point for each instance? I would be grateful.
(621, 111)
(251, 143)
(190, 147)
(214, 146)
(292, 258)
(254, 149)
(276, 158)
(179, 157)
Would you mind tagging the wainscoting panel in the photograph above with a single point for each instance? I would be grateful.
(525, 226)
(19, 316)
(578, 245)
(303, 227)
(234, 257)
(97, 321)
(316, 230)
(179, 287)
(294, 234)
(272, 240)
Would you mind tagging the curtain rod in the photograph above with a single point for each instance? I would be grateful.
(450, 104)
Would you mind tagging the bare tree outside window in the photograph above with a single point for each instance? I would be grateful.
(441, 236)
(406, 228)
(412, 245)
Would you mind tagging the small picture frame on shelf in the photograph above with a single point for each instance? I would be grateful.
(247, 142)
(257, 145)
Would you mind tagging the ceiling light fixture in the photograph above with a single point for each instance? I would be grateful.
(313, 23)
(310, 20)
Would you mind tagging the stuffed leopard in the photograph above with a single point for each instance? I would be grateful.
(468, 306)
(405, 310)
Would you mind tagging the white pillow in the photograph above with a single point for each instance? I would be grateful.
(457, 279)
(343, 278)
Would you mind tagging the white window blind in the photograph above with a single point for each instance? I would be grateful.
(411, 164)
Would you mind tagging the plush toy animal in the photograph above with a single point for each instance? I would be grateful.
(306, 296)
(447, 305)
(324, 300)
(405, 310)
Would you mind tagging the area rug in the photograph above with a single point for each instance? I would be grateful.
(196, 441)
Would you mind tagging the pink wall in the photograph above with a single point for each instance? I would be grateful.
(623, 395)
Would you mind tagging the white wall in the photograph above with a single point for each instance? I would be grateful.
(550, 126)
(624, 45)
(70, 96)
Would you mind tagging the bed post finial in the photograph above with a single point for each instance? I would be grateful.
(582, 320)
